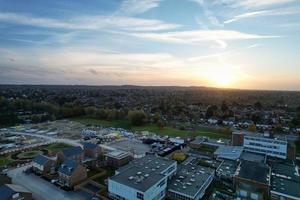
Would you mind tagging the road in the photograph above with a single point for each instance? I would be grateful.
(41, 189)
(57, 140)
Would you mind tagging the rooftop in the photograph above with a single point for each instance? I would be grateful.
(190, 179)
(41, 159)
(88, 145)
(67, 167)
(254, 171)
(253, 157)
(229, 152)
(142, 173)
(228, 167)
(8, 190)
(73, 151)
(118, 154)
(285, 179)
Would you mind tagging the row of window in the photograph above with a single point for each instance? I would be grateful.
(266, 151)
(266, 140)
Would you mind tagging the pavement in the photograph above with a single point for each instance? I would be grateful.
(47, 138)
(42, 189)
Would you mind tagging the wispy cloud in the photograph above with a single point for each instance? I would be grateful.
(262, 13)
(197, 36)
(133, 7)
(263, 3)
(89, 22)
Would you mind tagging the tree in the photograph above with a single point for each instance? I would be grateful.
(137, 117)
(224, 107)
(179, 156)
(252, 128)
(258, 105)
(211, 111)
(156, 117)
(161, 124)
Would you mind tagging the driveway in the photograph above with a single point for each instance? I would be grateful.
(41, 189)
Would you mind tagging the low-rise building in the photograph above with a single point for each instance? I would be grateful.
(91, 150)
(43, 165)
(285, 182)
(228, 152)
(118, 158)
(14, 192)
(262, 143)
(252, 180)
(190, 182)
(71, 173)
(226, 170)
(253, 157)
(73, 153)
(142, 179)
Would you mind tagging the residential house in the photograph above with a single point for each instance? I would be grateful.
(14, 192)
(73, 153)
(71, 173)
(43, 165)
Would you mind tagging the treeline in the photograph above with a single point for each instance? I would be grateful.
(17, 111)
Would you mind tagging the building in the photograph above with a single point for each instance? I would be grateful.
(252, 180)
(253, 157)
(142, 179)
(226, 170)
(73, 153)
(285, 182)
(260, 143)
(91, 150)
(71, 173)
(43, 165)
(190, 182)
(228, 152)
(118, 158)
(14, 192)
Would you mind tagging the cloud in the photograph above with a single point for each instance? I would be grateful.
(198, 36)
(263, 3)
(133, 7)
(262, 13)
(97, 22)
(250, 4)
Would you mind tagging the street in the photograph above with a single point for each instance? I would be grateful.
(41, 189)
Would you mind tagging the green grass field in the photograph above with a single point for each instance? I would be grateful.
(215, 134)
(4, 160)
(56, 147)
(29, 154)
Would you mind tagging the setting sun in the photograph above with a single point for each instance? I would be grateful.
(221, 77)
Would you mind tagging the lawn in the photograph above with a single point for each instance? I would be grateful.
(4, 160)
(29, 154)
(56, 147)
(152, 128)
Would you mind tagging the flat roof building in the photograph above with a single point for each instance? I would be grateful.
(227, 170)
(190, 182)
(145, 178)
(261, 143)
(252, 180)
(285, 181)
(228, 152)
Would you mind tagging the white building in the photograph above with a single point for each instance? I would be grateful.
(269, 146)
(142, 179)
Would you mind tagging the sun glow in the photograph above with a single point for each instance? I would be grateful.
(221, 77)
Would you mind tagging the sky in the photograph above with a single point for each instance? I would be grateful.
(245, 44)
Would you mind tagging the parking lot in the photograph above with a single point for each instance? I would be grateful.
(41, 189)
(131, 145)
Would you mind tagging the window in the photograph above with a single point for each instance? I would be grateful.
(140, 195)
(162, 183)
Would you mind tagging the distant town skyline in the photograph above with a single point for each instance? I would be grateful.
(244, 44)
